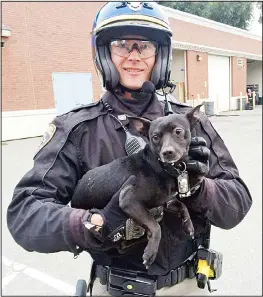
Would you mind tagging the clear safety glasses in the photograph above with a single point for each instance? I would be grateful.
(124, 47)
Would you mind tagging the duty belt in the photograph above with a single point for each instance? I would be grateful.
(137, 283)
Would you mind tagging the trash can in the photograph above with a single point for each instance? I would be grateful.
(209, 108)
(259, 100)
(244, 101)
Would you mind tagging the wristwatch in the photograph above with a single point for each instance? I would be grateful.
(96, 229)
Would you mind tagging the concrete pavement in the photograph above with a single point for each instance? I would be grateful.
(27, 273)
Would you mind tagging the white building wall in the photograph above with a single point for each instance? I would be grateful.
(27, 123)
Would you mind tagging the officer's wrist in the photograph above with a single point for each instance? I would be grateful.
(96, 219)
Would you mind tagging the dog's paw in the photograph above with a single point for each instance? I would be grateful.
(149, 255)
(189, 227)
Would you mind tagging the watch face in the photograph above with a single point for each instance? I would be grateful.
(87, 222)
(92, 228)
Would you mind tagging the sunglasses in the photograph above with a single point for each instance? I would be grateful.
(124, 47)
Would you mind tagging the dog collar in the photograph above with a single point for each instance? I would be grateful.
(173, 170)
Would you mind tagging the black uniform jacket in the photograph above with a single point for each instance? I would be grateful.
(88, 137)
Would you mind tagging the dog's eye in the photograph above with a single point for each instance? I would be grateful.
(155, 138)
(178, 131)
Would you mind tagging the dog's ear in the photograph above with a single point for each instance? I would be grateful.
(193, 115)
(141, 124)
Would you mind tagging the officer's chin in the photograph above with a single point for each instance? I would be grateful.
(133, 85)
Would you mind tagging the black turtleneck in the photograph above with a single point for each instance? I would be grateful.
(148, 107)
(137, 106)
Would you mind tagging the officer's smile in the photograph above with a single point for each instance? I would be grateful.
(133, 71)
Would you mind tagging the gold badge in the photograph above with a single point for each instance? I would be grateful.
(48, 135)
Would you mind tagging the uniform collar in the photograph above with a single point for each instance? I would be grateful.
(154, 111)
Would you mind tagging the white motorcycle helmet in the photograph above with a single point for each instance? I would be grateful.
(133, 18)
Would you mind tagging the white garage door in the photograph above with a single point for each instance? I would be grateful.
(219, 82)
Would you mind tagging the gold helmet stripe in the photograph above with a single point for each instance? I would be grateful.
(132, 18)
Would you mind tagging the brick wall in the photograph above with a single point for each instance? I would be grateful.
(197, 34)
(239, 76)
(197, 75)
(46, 37)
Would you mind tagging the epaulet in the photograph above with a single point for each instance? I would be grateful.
(81, 107)
(83, 113)
(182, 104)
(173, 101)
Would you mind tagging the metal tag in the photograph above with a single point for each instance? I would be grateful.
(183, 185)
(122, 117)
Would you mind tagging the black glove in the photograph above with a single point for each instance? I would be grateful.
(113, 216)
(198, 163)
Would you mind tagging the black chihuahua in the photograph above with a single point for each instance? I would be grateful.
(151, 185)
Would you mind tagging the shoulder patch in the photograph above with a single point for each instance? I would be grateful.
(47, 136)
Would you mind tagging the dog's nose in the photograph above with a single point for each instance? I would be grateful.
(168, 153)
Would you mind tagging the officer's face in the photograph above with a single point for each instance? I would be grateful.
(133, 67)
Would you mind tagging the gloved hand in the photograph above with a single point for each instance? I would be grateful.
(197, 167)
(198, 163)
(113, 217)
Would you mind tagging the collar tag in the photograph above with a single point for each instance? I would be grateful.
(183, 185)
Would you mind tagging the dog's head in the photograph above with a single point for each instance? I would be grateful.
(169, 136)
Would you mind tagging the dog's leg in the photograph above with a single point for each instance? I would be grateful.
(129, 203)
(181, 210)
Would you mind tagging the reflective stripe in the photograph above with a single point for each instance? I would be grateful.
(132, 18)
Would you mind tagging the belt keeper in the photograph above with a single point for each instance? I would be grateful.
(102, 273)
(174, 277)
(179, 275)
(191, 271)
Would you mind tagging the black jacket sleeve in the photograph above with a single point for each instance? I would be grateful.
(224, 198)
(38, 214)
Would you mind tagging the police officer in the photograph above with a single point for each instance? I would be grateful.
(131, 44)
